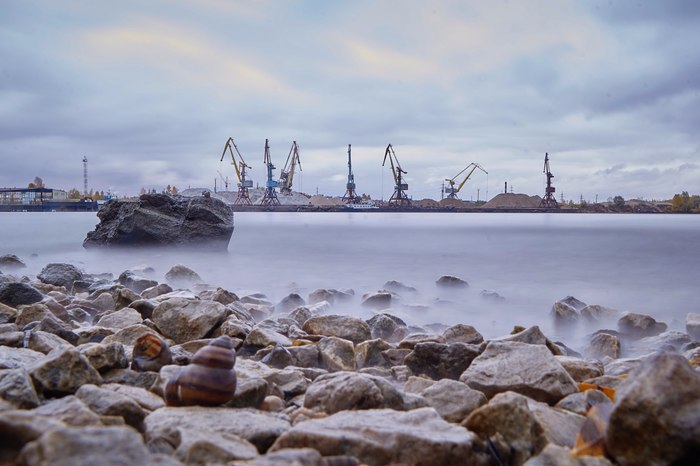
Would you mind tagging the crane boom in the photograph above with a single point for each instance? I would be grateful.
(350, 195)
(240, 168)
(450, 190)
(399, 198)
(287, 174)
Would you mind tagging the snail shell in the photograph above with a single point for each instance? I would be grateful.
(150, 353)
(209, 380)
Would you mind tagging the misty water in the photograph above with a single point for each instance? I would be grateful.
(640, 263)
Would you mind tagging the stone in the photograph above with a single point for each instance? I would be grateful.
(564, 314)
(27, 313)
(596, 314)
(250, 393)
(182, 276)
(19, 427)
(183, 319)
(104, 302)
(7, 314)
(62, 372)
(299, 457)
(452, 282)
(576, 304)
(492, 296)
(307, 356)
(60, 275)
(105, 357)
(257, 427)
(581, 369)
(290, 302)
(158, 290)
(555, 455)
(290, 382)
(161, 220)
(387, 327)
(530, 370)
(135, 282)
(462, 333)
(110, 403)
(128, 336)
(655, 418)
(692, 325)
(279, 357)
(395, 356)
(412, 340)
(667, 341)
(440, 361)
(385, 436)
(262, 336)
(560, 426)
(16, 387)
(144, 307)
(453, 400)
(339, 391)
(122, 318)
(130, 377)
(10, 262)
(581, 402)
(639, 325)
(337, 354)
(142, 397)
(209, 447)
(87, 446)
(14, 294)
(69, 410)
(369, 353)
(416, 384)
(14, 358)
(45, 342)
(345, 327)
(378, 301)
(604, 344)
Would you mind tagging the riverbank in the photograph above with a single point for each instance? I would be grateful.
(87, 359)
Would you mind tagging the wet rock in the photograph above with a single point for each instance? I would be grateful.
(491, 295)
(160, 219)
(564, 314)
(130, 377)
(573, 302)
(182, 276)
(379, 300)
(581, 369)
(279, 357)
(369, 353)
(10, 262)
(596, 314)
(395, 356)
(339, 391)
(194, 447)
(142, 397)
(45, 342)
(60, 275)
(111, 403)
(530, 370)
(655, 419)
(258, 427)
(220, 295)
(159, 290)
(135, 282)
(449, 281)
(128, 336)
(337, 354)
(667, 341)
(533, 336)
(19, 427)
(234, 328)
(692, 325)
(555, 455)
(639, 325)
(581, 402)
(387, 327)
(183, 319)
(262, 336)
(290, 302)
(16, 387)
(290, 382)
(104, 302)
(412, 340)
(14, 294)
(345, 327)
(453, 400)
(307, 356)
(383, 436)
(415, 384)
(462, 333)
(7, 314)
(398, 287)
(69, 410)
(62, 372)
(250, 393)
(105, 357)
(31, 313)
(604, 345)
(122, 318)
(440, 361)
(14, 358)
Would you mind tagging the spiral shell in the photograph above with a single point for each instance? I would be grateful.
(209, 380)
(150, 353)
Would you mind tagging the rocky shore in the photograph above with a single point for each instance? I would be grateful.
(165, 370)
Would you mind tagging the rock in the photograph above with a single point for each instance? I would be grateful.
(640, 325)
(666, 341)
(369, 353)
(576, 304)
(279, 357)
(300, 457)
(337, 354)
(111, 403)
(136, 283)
(462, 333)
(129, 377)
(655, 419)
(416, 384)
(596, 314)
(387, 327)
(395, 356)
(105, 357)
(398, 287)
(307, 356)
(258, 427)
(7, 314)
(11, 262)
(602, 345)
(379, 300)
(339, 391)
(412, 340)
(555, 455)
(144, 307)
(14, 294)
(62, 372)
(290, 302)
(14, 358)
(581, 402)
(262, 336)
(581, 369)
(45, 342)
(440, 361)
(89, 445)
(530, 370)
(560, 426)
(345, 327)
(69, 410)
(250, 393)
(491, 295)
(183, 319)
(182, 276)
(104, 302)
(194, 447)
(16, 387)
(384, 436)
(19, 427)
(450, 281)
(453, 400)
(563, 313)
(142, 397)
(692, 325)
(128, 336)
(123, 318)
(160, 219)
(290, 382)
(27, 313)
(158, 290)
(60, 275)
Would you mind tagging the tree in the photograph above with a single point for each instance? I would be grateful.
(73, 193)
(37, 183)
(684, 202)
(142, 192)
(619, 201)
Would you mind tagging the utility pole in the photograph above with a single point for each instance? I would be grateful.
(85, 177)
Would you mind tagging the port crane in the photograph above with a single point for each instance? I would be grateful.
(548, 201)
(399, 198)
(350, 196)
(287, 174)
(223, 178)
(242, 198)
(450, 189)
(270, 197)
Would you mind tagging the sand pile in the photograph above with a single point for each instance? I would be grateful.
(513, 201)
(453, 203)
(426, 204)
(325, 201)
(256, 195)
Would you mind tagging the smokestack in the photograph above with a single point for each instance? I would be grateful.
(506, 189)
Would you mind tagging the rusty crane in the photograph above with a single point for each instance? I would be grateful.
(287, 174)
(399, 198)
(548, 201)
(450, 190)
(242, 198)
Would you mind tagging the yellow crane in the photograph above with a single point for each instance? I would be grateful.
(399, 198)
(450, 189)
(240, 167)
(287, 174)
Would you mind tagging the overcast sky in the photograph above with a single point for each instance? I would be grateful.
(150, 90)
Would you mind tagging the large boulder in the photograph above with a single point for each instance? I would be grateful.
(640, 325)
(60, 275)
(346, 327)
(161, 219)
(14, 294)
(184, 319)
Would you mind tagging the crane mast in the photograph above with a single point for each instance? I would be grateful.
(242, 198)
(450, 190)
(399, 198)
(270, 197)
(548, 201)
(350, 196)
(287, 174)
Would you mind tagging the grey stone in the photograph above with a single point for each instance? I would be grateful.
(378, 301)
(581, 402)
(69, 410)
(462, 333)
(413, 339)
(134, 282)
(564, 314)
(369, 353)
(11, 262)
(345, 327)
(14, 294)
(387, 327)
(158, 290)
(450, 281)
(337, 354)
(262, 336)
(182, 276)
(183, 319)
(60, 275)
(111, 403)
(596, 314)
(16, 387)
(62, 372)
(604, 344)
(555, 455)
(123, 318)
(13, 358)
(339, 391)
(581, 369)
(439, 361)
(639, 325)
(453, 400)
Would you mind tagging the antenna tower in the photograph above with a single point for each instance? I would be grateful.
(350, 196)
(548, 201)
(85, 178)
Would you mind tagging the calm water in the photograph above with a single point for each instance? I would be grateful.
(641, 263)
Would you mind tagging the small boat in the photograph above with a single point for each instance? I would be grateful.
(362, 205)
